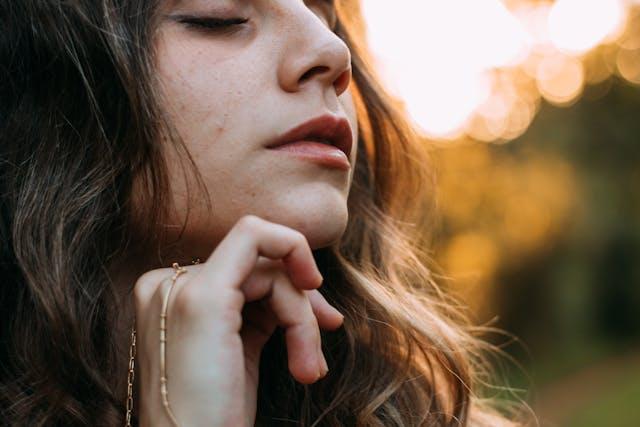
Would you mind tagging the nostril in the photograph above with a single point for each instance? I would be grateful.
(315, 70)
(342, 82)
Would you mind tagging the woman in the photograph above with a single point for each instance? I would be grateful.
(138, 134)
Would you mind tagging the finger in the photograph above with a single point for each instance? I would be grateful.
(290, 306)
(328, 316)
(236, 256)
(259, 283)
(259, 322)
(294, 313)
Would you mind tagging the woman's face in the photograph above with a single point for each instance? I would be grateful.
(230, 91)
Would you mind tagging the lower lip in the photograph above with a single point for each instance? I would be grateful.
(323, 154)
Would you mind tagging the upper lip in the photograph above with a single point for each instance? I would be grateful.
(326, 128)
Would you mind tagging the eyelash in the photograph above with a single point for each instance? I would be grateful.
(212, 24)
(220, 24)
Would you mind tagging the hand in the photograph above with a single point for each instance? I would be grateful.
(214, 340)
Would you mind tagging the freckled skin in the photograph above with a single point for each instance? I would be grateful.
(227, 95)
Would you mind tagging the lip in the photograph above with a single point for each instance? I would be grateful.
(326, 128)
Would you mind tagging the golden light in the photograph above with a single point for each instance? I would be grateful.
(628, 64)
(535, 20)
(578, 26)
(435, 55)
(478, 68)
(470, 259)
(560, 79)
(599, 65)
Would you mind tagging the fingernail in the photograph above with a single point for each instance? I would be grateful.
(340, 315)
(323, 365)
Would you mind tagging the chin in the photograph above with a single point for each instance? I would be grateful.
(323, 221)
(322, 228)
(322, 238)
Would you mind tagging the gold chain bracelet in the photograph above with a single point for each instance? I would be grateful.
(163, 345)
(163, 341)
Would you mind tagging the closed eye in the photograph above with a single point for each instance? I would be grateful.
(210, 24)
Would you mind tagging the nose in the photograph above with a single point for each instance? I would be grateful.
(312, 53)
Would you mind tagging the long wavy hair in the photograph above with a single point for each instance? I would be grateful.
(80, 118)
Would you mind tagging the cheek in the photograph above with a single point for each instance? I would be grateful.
(188, 93)
(198, 93)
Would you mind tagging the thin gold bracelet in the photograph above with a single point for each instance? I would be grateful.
(163, 339)
(163, 344)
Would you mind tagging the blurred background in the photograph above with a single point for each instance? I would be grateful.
(534, 110)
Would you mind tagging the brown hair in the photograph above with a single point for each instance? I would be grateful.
(79, 126)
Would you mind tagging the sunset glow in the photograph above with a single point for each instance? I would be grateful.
(480, 68)
(578, 25)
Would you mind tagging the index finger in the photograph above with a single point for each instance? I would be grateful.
(236, 256)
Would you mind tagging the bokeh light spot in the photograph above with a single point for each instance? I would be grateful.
(560, 79)
(479, 68)
(578, 25)
(628, 64)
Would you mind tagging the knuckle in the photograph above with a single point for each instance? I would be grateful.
(285, 286)
(250, 223)
(300, 238)
(300, 241)
(147, 284)
(310, 326)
